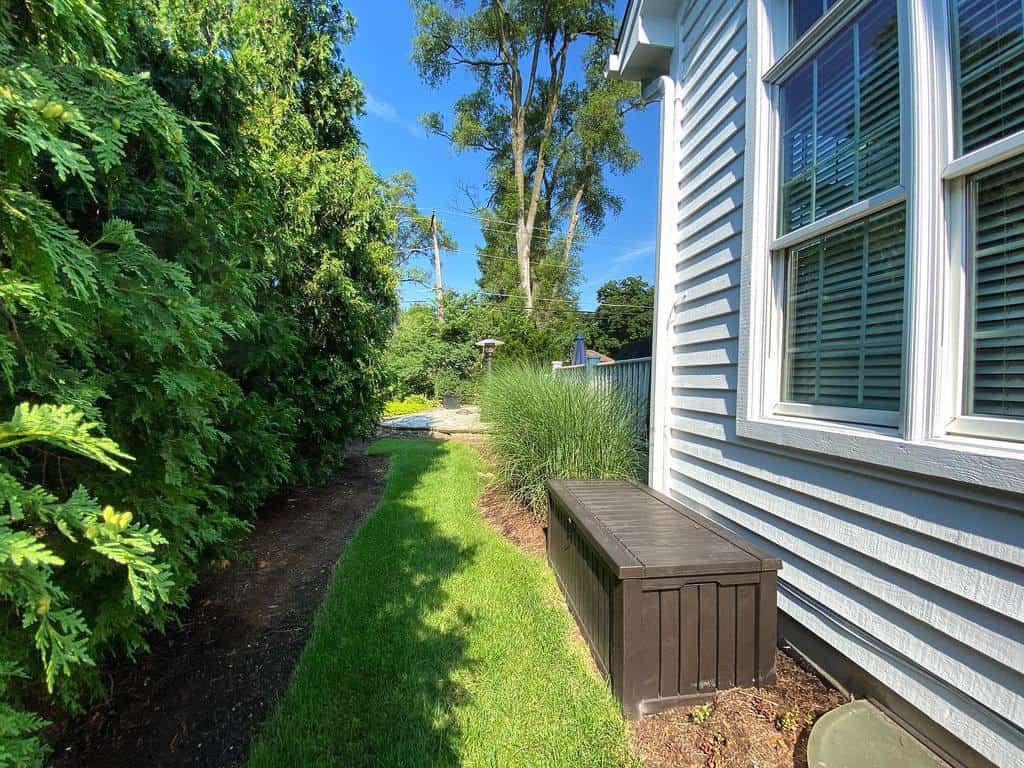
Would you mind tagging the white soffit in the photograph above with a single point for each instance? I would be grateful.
(646, 41)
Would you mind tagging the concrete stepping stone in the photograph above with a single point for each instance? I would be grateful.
(859, 735)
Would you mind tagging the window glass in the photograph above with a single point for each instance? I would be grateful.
(844, 316)
(803, 14)
(995, 377)
(841, 120)
(990, 59)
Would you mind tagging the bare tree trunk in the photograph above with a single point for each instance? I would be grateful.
(570, 232)
(523, 250)
(438, 285)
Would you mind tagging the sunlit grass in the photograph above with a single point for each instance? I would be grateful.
(441, 644)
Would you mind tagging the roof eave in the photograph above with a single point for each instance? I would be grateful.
(646, 38)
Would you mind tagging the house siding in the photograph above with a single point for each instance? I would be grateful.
(919, 581)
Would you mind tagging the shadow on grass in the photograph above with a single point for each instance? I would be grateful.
(378, 681)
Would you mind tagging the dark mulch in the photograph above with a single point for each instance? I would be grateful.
(197, 697)
(513, 521)
(744, 727)
(741, 728)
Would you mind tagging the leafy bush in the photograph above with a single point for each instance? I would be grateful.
(194, 254)
(428, 357)
(549, 426)
(39, 534)
(410, 404)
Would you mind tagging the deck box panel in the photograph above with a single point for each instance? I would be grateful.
(585, 580)
(673, 606)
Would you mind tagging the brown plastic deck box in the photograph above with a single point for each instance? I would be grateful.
(673, 605)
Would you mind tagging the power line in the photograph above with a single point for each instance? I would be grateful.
(494, 307)
(555, 300)
(561, 299)
(511, 227)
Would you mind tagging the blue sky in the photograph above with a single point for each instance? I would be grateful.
(395, 97)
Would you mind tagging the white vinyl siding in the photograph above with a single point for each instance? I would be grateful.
(919, 580)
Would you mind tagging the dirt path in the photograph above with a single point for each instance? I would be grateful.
(197, 697)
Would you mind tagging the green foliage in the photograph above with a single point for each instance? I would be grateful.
(700, 714)
(197, 259)
(788, 721)
(624, 313)
(408, 404)
(39, 535)
(435, 359)
(549, 426)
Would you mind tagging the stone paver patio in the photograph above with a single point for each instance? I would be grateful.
(464, 420)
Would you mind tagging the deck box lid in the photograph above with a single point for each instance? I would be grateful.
(644, 534)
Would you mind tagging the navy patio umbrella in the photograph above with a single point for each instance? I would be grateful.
(579, 352)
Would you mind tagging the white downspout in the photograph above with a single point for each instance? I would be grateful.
(664, 267)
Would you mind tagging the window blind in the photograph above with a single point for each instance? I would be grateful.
(990, 36)
(996, 375)
(844, 316)
(841, 120)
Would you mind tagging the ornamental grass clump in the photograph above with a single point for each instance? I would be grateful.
(548, 425)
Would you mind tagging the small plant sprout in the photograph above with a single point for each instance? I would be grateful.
(787, 721)
(700, 714)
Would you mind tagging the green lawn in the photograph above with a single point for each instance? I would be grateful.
(439, 643)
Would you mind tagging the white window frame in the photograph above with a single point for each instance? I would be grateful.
(930, 435)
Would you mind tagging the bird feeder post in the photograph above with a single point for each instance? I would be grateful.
(488, 346)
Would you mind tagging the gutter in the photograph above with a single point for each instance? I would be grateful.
(622, 27)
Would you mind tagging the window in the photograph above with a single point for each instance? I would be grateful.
(882, 304)
(990, 45)
(803, 14)
(844, 317)
(841, 120)
(995, 375)
(843, 313)
(989, 72)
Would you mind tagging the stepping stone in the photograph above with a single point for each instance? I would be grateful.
(859, 735)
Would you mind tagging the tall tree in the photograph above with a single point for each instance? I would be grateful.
(549, 135)
(624, 313)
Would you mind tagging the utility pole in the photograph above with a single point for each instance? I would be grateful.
(438, 289)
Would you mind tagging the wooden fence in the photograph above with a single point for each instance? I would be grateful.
(632, 377)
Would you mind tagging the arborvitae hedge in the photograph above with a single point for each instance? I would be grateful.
(194, 254)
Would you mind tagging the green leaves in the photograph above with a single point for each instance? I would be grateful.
(197, 270)
(37, 535)
(64, 427)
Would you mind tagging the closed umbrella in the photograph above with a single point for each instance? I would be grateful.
(579, 352)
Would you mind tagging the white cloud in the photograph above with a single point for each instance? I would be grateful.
(380, 108)
(385, 110)
(635, 254)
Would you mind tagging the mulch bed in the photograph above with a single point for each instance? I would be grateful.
(740, 728)
(197, 697)
(513, 521)
(743, 727)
